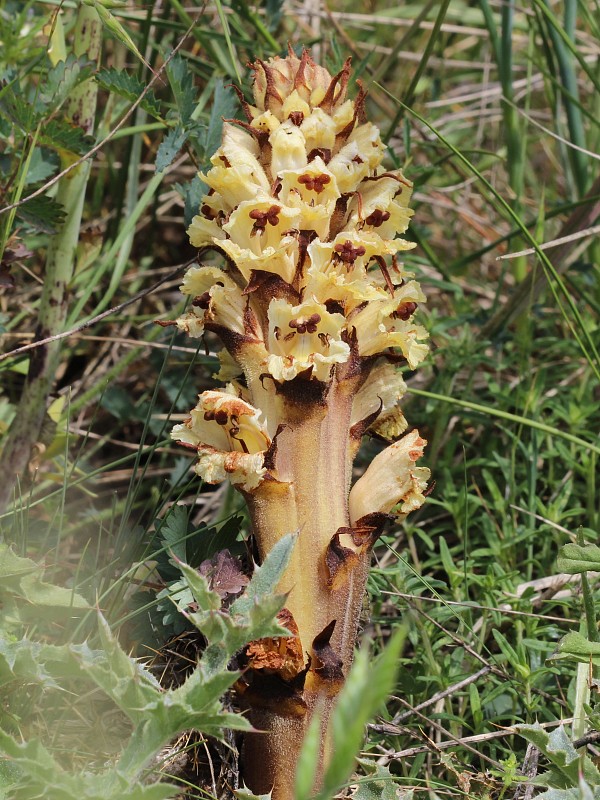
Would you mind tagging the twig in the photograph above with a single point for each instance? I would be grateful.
(386, 727)
(114, 310)
(482, 737)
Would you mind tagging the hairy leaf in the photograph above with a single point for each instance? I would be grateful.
(564, 759)
(367, 687)
(381, 785)
(577, 647)
(575, 558)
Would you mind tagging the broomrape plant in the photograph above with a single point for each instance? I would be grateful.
(315, 311)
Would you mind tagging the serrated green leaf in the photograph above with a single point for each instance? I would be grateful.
(192, 192)
(174, 530)
(42, 213)
(182, 86)
(59, 134)
(61, 79)
(17, 110)
(575, 558)
(130, 87)
(170, 146)
(224, 107)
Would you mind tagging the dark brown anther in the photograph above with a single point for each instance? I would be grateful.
(302, 325)
(322, 152)
(261, 218)
(325, 339)
(209, 416)
(314, 183)
(405, 310)
(296, 117)
(221, 417)
(277, 332)
(347, 253)
(202, 300)
(377, 218)
(225, 160)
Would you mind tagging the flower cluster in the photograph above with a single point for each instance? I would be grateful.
(312, 293)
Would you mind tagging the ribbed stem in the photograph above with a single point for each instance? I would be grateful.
(314, 464)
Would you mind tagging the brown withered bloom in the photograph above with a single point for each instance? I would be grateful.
(315, 312)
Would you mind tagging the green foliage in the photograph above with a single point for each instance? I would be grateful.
(156, 715)
(129, 86)
(567, 766)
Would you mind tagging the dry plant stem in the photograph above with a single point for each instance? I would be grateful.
(60, 261)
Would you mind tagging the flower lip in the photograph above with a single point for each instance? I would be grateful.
(302, 337)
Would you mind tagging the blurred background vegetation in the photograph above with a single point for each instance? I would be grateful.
(492, 109)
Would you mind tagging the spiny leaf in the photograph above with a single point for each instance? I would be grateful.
(246, 794)
(170, 146)
(366, 689)
(266, 577)
(564, 759)
(130, 87)
(381, 785)
(22, 577)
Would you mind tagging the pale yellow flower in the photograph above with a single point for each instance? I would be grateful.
(304, 337)
(229, 437)
(392, 483)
